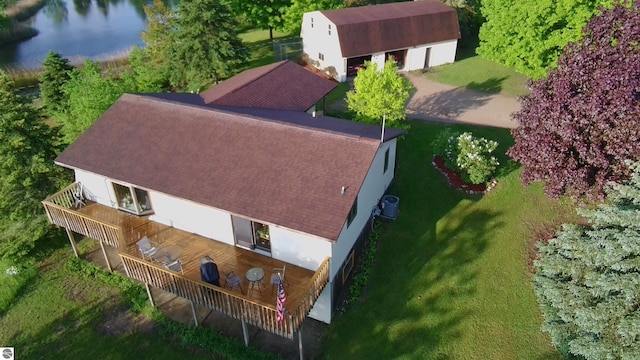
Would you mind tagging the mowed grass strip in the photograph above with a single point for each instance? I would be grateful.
(450, 279)
(473, 72)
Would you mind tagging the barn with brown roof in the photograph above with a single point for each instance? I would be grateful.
(417, 34)
(240, 173)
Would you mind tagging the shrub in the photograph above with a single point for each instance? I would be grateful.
(468, 155)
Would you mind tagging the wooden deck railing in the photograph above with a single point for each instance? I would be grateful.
(228, 302)
(60, 211)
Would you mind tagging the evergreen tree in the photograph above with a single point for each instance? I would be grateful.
(578, 126)
(56, 72)
(205, 44)
(150, 64)
(587, 279)
(27, 172)
(379, 94)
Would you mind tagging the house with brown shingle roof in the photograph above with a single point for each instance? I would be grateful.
(272, 186)
(417, 34)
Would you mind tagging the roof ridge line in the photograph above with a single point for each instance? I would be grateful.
(255, 118)
(282, 62)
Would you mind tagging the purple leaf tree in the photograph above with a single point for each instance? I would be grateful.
(578, 126)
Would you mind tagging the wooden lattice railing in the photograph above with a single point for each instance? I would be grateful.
(228, 302)
(60, 211)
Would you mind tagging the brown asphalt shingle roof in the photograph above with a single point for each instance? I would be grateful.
(376, 28)
(288, 171)
(283, 85)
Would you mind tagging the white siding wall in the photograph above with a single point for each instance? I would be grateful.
(370, 194)
(297, 248)
(442, 52)
(378, 58)
(192, 217)
(96, 187)
(415, 57)
(317, 40)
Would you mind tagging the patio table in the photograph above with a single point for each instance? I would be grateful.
(255, 276)
(168, 254)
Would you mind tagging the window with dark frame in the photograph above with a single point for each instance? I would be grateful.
(321, 56)
(312, 22)
(347, 266)
(386, 161)
(329, 29)
(353, 212)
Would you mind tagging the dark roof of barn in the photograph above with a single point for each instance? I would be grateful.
(376, 28)
(282, 85)
(280, 167)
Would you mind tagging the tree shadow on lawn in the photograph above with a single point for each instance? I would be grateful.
(450, 104)
(422, 284)
(97, 328)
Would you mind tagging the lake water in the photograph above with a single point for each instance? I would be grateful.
(97, 29)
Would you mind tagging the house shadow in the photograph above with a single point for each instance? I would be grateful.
(451, 104)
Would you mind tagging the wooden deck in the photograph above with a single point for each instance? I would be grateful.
(122, 230)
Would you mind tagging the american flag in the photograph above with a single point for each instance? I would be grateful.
(281, 300)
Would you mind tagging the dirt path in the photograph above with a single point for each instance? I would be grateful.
(433, 101)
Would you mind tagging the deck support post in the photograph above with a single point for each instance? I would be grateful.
(149, 294)
(73, 242)
(106, 258)
(300, 342)
(195, 314)
(245, 332)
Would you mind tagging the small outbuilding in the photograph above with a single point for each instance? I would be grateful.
(417, 34)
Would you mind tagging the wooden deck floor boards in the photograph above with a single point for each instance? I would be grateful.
(190, 248)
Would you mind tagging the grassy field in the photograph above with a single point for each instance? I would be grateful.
(473, 72)
(450, 278)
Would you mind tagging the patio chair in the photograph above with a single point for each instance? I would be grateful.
(175, 265)
(278, 273)
(78, 197)
(147, 248)
(232, 280)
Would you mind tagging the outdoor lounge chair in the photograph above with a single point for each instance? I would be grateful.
(146, 247)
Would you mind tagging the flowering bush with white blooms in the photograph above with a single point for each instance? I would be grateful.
(469, 155)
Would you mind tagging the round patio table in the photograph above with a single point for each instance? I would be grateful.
(255, 276)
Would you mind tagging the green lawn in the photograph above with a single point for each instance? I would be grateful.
(64, 313)
(450, 278)
(473, 72)
(261, 47)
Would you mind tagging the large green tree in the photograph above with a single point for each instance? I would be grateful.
(379, 94)
(529, 35)
(56, 72)
(265, 14)
(205, 44)
(89, 94)
(292, 18)
(27, 172)
(578, 126)
(587, 279)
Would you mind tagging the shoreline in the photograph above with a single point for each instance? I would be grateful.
(18, 12)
